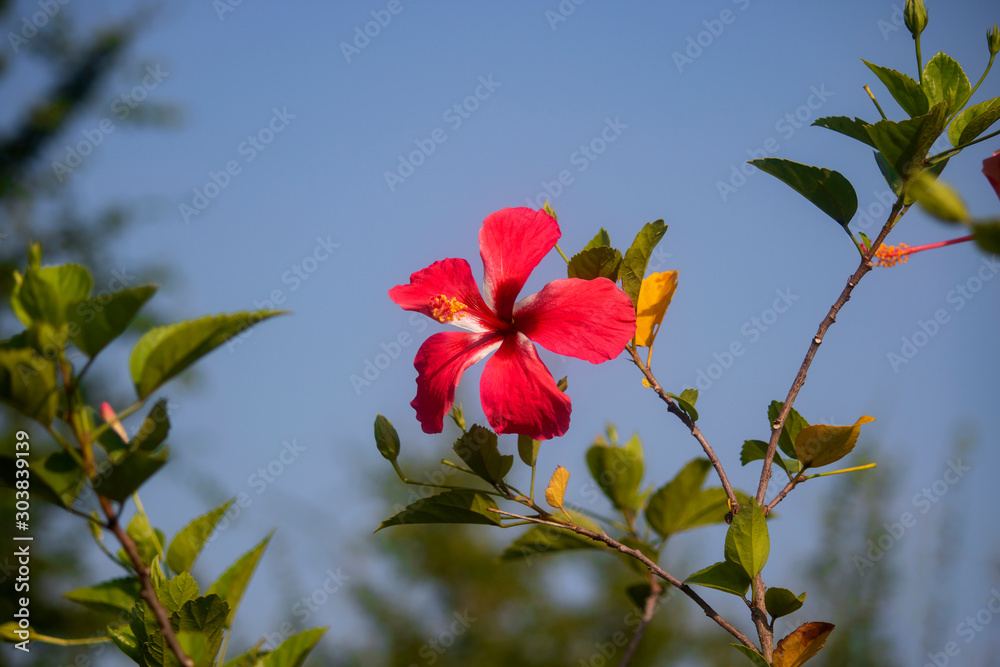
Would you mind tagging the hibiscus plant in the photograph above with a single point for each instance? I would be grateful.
(608, 307)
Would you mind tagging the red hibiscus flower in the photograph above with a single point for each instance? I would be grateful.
(991, 169)
(586, 319)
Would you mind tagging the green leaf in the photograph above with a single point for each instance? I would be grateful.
(822, 444)
(294, 650)
(937, 198)
(973, 121)
(988, 236)
(756, 450)
(725, 576)
(109, 597)
(458, 506)
(782, 602)
(386, 438)
(147, 540)
(47, 293)
(944, 80)
(124, 477)
(907, 92)
(175, 592)
(853, 128)
(188, 543)
(601, 239)
(56, 477)
(633, 267)
(478, 448)
(97, 321)
(904, 145)
(618, 471)
(793, 424)
(200, 626)
(165, 351)
(686, 402)
(539, 540)
(28, 384)
(599, 262)
(154, 429)
(527, 449)
(747, 541)
(122, 637)
(756, 658)
(251, 658)
(666, 508)
(233, 582)
(827, 189)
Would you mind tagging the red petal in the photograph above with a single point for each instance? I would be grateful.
(512, 242)
(452, 278)
(440, 363)
(519, 394)
(586, 319)
(991, 169)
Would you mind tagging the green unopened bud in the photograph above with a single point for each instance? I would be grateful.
(386, 438)
(915, 16)
(993, 40)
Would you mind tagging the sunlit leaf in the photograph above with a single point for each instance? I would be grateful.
(633, 268)
(801, 645)
(823, 444)
(556, 490)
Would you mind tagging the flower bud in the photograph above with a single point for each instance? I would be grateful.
(386, 438)
(915, 17)
(993, 40)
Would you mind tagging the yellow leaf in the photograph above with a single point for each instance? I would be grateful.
(556, 489)
(822, 444)
(804, 643)
(654, 296)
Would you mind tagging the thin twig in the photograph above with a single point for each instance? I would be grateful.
(831, 317)
(653, 567)
(647, 615)
(691, 426)
(757, 610)
(148, 593)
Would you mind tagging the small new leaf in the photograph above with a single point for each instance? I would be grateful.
(556, 490)
(782, 602)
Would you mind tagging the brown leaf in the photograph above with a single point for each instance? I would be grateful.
(802, 644)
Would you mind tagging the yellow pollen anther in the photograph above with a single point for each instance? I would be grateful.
(889, 255)
(447, 310)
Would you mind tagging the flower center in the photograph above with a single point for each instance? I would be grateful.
(445, 309)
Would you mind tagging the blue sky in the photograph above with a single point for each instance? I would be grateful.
(298, 132)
